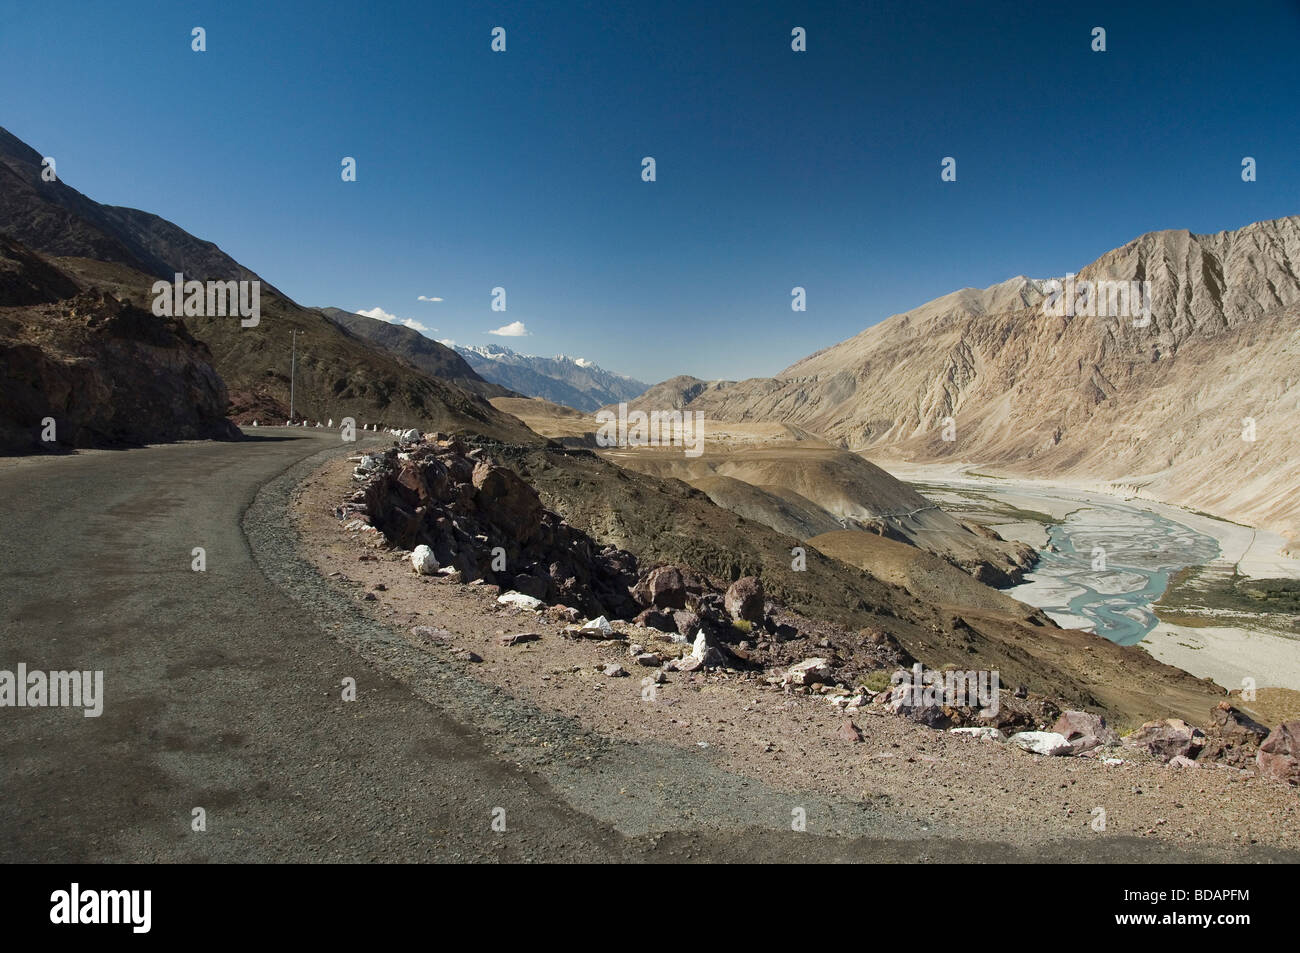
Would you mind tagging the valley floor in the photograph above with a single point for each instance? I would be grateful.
(1211, 637)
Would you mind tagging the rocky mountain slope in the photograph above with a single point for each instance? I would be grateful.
(1157, 406)
(84, 369)
(573, 382)
(122, 252)
(436, 360)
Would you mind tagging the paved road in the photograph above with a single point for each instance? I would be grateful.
(217, 695)
(223, 693)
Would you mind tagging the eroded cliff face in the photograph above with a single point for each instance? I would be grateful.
(1158, 396)
(83, 369)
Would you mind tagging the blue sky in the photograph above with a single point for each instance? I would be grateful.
(774, 168)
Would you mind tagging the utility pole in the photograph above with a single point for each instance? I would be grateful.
(293, 366)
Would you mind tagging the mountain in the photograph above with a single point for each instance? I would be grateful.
(436, 360)
(1158, 407)
(573, 382)
(84, 369)
(121, 252)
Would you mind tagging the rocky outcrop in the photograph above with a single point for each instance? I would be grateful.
(1279, 755)
(485, 522)
(92, 371)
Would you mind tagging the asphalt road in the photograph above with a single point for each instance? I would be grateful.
(222, 692)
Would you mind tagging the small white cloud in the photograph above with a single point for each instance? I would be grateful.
(515, 329)
(446, 342)
(427, 298)
(379, 314)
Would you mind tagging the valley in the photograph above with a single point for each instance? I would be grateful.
(1148, 547)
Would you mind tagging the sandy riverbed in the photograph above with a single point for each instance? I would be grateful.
(1228, 654)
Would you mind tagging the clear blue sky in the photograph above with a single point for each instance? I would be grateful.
(775, 168)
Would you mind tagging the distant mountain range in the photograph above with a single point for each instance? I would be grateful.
(428, 355)
(571, 381)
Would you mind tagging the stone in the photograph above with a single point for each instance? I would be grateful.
(423, 560)
(655, 619)
(598, 627)
(1047, 743)
(981, 733)
(1167, 739)
(1084, 730)
(809, 672)
(518, 638)
(1279, 756)
(849, 732)
(430, 634)
(513, 598)
(648, 659)
(663, 588)
(411, 436)
(614, 670)
(744, 599)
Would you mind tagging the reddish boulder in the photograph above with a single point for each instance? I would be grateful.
(744, 599)
(1279, 756)
(1167, 739)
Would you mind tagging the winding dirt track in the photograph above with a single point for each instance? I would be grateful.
(223, 692)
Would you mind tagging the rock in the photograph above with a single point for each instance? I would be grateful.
(1084, 731)
(1047, 743)
(466, 655)
(707, 654)
(430, 634)
(1181, 761)
(1232, 737)
(663, 588)
(562, 613)
(519, 599)
(982, 732)
(422, 559)
(849, 732)
(1167, 739)
(597, 628)
(518, 638)
(649, 659)
(744, 599)
(685, 622)
(655, 619)
(614, 670)
(411, 436)
(809, 672)
(1279, 756)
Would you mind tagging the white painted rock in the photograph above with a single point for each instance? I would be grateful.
(1041, 742)
(513, 598)
(599, 624)
(423, 560)
(411, 436)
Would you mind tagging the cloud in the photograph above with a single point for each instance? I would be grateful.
(446, 342)
(379, 314)
(515, 329)
(427, 298)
